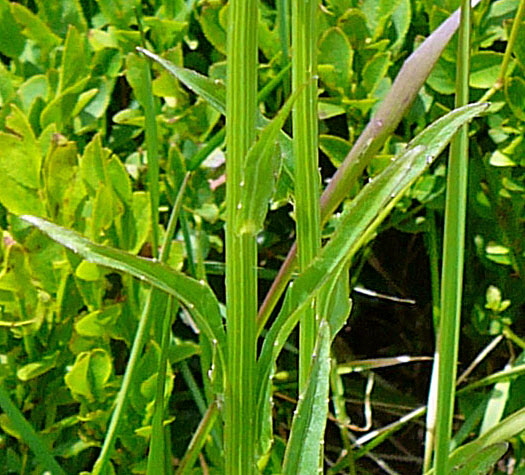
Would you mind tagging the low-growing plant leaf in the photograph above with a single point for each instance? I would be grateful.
(75, 60)
(335, 59)
(37, 368)
(11, 39)
(89, 375)
(515, 94)
(21, 158)
(195, 295)
(484, 69)
(34, 28)
(304, 445)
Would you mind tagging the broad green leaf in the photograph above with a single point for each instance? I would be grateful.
(15, 276)
(119, 180)
(32, 89)
(37, 368)
(60, 15)
(137, 74)
(59, 170)
(335, 59)
(484, 69)
(20, 158)
(35, 29)
(305, 444)
(340, 6)
(120, 13)
(515, 94)
(377, 13)
(88, 271)
(441, 78)
(213, 24)
(401, 19)
(93, 164)
(75, 59)
(375, 71)
(89, 375)
(59, 111)
(195, 295)
(336, 148)
(12, 41)
(165, 33)
(353, 23)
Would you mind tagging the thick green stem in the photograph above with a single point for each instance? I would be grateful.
(307, 182)
(241, 250)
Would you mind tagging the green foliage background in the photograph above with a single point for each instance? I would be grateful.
(72, 150)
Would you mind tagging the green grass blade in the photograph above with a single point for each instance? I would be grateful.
(158, 452)
(502, 432)
(198, 440)
(483, 461)
(378, 196)
(139, 76)
(28, 434)
(195, 295)
(447, 345)
(306, 437)
(260, 173)
(204, 87)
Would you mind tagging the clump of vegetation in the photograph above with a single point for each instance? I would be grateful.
(160, 158)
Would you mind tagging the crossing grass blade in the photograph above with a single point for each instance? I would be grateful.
(306, 437)
(195, 295)
(28, 435)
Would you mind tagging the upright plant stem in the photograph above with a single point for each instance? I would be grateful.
(453, 257)
(241, 250)
(307, 214)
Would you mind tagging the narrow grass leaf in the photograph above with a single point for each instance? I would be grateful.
(28, 434)
(261, 169)
(306, 437)
(195, 295)
(502, 432)
(201, 85)
(374, 363)
(483, 461)
(198, 440)
(504, 375)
